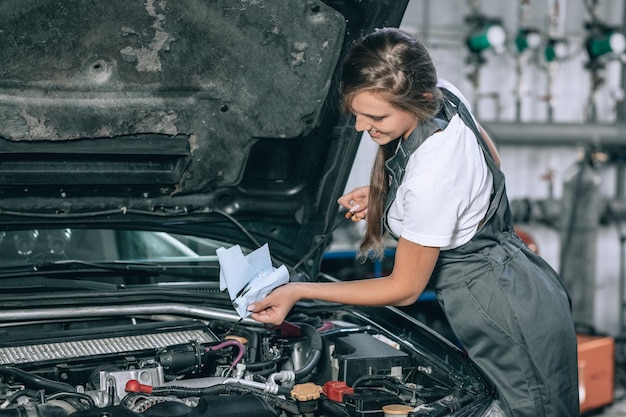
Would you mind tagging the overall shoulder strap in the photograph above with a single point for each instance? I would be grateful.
(396, 165)
(499, 194)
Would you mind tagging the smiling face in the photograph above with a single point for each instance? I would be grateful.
(380, 119)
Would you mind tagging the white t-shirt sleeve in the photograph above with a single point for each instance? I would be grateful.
(445, 192)
(431, 224)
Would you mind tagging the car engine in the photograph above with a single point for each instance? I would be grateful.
(175, 366)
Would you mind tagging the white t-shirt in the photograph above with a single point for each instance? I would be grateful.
(446, 189)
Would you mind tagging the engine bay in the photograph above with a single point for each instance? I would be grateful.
(169, 365)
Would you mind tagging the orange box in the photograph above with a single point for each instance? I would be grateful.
(596, 371)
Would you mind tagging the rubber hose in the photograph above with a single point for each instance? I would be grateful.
(316, 346)
(43, 410)
(186, 392)
(253, 342)
(262, 365)
(36, 381)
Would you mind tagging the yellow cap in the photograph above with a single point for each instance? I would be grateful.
(306, 392)
(397, 409)
(240, 339)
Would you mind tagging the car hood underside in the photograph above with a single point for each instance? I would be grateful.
(164, 109)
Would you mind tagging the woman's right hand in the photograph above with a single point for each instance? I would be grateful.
(274, 308)
(356, 203)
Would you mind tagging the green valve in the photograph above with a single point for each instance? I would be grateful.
(527, 39)
(489, 36)
(556, 49)
(609, 42)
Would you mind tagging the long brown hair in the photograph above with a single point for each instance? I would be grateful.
(397, 67)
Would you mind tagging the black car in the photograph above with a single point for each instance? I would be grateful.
(137, 138)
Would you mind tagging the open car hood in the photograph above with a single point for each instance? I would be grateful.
(180, 112)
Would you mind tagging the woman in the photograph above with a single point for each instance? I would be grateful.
(437, 188)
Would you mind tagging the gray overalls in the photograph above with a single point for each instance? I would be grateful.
(504, 303)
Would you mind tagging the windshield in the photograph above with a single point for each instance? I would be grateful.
(37, 246)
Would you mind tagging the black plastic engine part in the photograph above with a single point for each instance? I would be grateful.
(233, 406)
(361, 354)
(368, 403)
(182, 358)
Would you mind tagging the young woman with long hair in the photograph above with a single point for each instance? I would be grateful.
(436, 187)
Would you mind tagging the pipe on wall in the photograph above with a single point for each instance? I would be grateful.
(621, 108)
(551, 134)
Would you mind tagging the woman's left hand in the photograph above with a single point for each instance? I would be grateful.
(356, 202)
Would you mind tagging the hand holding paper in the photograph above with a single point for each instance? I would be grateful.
(248, 278)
